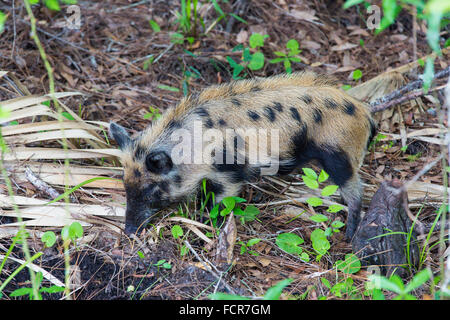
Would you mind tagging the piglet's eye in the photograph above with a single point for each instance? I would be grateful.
(159, 162)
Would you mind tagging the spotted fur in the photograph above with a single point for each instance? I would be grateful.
(316, 121)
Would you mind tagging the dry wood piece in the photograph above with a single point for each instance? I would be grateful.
(382, 236)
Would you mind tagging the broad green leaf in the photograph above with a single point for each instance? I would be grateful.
(381, 282)
(350, 265)
(319, 218)
(274, 293)
(48, 238)
(257, 61)
(256, 40)
(229, 202)
(310, 173)
(2, 28)
(314, 201)
(292, 45)
(310, 183)
(323, 176)
(277, 60)
(21, 292)
(289, 242)
(419, 279)
(177, 231)
(253, 241)
(319, 241)
(357, 74)
(334, 208)
(52, 5)
(337, 224)
(155, 26)
(329, 190)
(75, 230)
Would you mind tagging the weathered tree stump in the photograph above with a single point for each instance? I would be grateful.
(381, 238)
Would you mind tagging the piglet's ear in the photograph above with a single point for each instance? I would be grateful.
(119, 134)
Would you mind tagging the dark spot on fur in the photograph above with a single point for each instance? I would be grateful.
(306, 99)
(164, 186)
(173, 124)
(209, 123)
(269, 113)
(373, 131)
(212, 186)
(253, 115)
(295, 114)
(222, 122)
(349, 108)
(255, 89)
(139, 153)
(278, 106)
(330, 103)
(177, 179)
(137, 173)
(236, 102)
(202, 112)
(317, 114)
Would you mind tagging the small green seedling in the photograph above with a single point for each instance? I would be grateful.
(246, 245)
(152, 114)
(273, 293)
(29, 291)
(163, 264)
(289, 57)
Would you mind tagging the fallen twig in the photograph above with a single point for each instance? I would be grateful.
(398, 96)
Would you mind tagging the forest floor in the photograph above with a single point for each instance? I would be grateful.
(123, 66)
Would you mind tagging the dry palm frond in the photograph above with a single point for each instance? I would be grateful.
(36, 142)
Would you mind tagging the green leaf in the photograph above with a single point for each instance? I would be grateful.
(277, 60)
(2, 28)
(177, 231)
(155, 26)
(274, 292)
(336, 224)
(334, 208)
(319, 241)
(75, 230)
(319, 218)
(229, 202)
(323, 176)
(289, 242)
(314, 201)
(350, 265)
(436, 10)
(256, 40)
(238, 18)
(381, 282)
(292, 44)
(21, 292)
(357, 74)
(350, 3)
(428, 74)
(239, 200)
(48, 238)
(310, 183)
(419, 279)
(279, 54)
(295, 59)
(257, 61)
(177, 38)
(226, 296)
(329, 190)
(253, 241)
(52, 5)
(326, 283)
(310, 173)
(52, 289)
(68, 116)
(169, 88)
